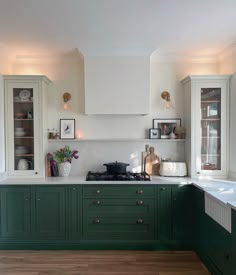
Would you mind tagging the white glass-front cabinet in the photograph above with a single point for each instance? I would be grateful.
(25, 116)
(207, 124)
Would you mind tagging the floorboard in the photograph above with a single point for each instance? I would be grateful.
(100, 263)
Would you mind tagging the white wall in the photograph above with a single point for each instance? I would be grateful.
(67, 74)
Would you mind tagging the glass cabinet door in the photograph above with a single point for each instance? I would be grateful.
(23, 128)
(211, 99)
(23, 112)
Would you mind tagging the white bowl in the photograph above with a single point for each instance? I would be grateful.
(20, 134)
(19, 129)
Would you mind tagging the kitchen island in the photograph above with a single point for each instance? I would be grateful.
(162, 214)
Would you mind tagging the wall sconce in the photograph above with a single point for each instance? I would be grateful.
(66, 99)
(167, 101)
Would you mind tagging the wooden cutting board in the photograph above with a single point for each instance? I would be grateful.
(152, 163)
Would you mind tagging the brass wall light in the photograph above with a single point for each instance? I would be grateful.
(167, 101)
(66, 99)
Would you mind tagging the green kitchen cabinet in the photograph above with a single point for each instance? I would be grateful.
(15, 212)
(75, 212)
(182, 213)
(164, 212)
(32, 212)
(121, 212)
(233, 267)
(49, 212)
(219, 248)
(200, 223)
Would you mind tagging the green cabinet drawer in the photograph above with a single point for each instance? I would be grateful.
(118, 206)
(135, 227)
(122, 190)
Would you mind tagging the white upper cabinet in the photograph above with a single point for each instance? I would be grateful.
(117, 85)
(207, 124)
(26, 131)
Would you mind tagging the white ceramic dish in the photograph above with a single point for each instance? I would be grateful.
(24, 95)
(20, 134)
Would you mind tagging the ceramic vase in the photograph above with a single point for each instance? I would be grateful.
(64, 169)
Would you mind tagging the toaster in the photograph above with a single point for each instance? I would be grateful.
(173, 169)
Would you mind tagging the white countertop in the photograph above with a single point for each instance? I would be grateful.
(221, 189)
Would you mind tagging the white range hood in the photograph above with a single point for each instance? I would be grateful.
(117, 85)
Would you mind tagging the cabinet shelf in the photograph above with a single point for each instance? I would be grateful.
(116, 139)
(211, 137)
(23, 102)
(210, 101)
(23, 119)
(210, 155)
(24, 155)
(23, 137)
(211, 119)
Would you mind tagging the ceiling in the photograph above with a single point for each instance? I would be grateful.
(117, 27)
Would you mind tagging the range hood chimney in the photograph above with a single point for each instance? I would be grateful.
(117, 84)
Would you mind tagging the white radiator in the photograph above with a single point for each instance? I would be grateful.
(218, 211)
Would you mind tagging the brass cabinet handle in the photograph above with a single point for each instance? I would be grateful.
(98, 191)
(139, 191)
(97, 221)
(139, 202)
(139, 221)
(97, 202)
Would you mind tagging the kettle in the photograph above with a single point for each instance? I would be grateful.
(23, 164)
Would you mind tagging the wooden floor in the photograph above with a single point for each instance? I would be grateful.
(100, 263)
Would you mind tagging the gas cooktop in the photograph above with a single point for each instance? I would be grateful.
(128, 176)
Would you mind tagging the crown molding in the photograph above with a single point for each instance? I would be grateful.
(184, 58)
(61, 57)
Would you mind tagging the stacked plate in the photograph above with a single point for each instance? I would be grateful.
(21, 150)
(20, 132)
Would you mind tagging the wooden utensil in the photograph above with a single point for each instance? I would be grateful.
(152, 163)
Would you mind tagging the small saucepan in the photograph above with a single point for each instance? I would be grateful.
(114, 168)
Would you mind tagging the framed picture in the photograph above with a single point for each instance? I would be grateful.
(154, 133)
(67, 128)
(166, 125)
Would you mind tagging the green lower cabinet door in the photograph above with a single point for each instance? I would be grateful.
(49, 212)
(164, 208)
(182, 213)
(75, 212)
(15, 212)
(219, 247)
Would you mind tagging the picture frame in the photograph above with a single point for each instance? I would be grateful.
(166, 125)
(155, 133)
(67, 128)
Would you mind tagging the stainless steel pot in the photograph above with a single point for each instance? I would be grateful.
(116, 167)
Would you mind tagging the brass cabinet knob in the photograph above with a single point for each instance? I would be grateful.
(97, 202)
(139, 191)
(98, 191)
(139, 202)
(163, 188)
(97, 221)
(139, 221)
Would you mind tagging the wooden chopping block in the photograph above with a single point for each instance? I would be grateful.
(152, 163)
